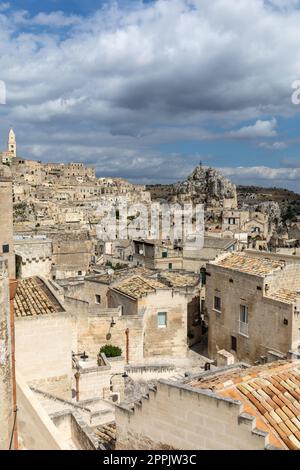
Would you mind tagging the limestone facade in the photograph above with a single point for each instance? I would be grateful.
(253, 306)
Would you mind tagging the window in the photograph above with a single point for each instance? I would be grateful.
(5, 248)
(170, 266)
(164, 254)
(231, 221)
(244, 320)
(233, 343)
(217, 304)
(79, 273)
(98, 299)
(162, 319)
(203, 276)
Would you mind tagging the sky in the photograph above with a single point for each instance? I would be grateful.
(145, 90)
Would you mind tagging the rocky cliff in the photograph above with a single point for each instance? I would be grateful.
(204, 186)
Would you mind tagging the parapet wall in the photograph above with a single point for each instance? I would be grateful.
(184, 418)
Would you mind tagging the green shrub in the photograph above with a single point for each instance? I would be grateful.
(111, 351)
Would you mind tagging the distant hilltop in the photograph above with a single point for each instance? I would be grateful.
(204, 186)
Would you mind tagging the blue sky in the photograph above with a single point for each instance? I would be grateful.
(146, 90)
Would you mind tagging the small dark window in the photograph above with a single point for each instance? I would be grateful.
(79, 273)
(203, 276)
(233, 343)
(170, 266)
(258, 288)
(285, 321)
(231, 281)
(98, 299)
(5, 248)
(217, 303)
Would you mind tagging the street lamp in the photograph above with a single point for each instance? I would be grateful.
(124, 375)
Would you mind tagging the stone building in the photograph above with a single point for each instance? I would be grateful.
(256, 225)
(194, 260)
(43, 332)
(33, 257)
(163, 311)
(235, 408)
(71, 258)
(253, 305)
(6, 366)
(28, 171)
(156, 254)
(11, 152)
(6, 219)
(145, 316)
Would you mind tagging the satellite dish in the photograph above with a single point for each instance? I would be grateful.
(110, 272)
(141, 252)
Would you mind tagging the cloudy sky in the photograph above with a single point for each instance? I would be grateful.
(147, 89)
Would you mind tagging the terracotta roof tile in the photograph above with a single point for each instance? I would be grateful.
(138, 286)
(270, 393)
(34, 298)
(248, 264)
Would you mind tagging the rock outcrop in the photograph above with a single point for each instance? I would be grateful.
(207, 186)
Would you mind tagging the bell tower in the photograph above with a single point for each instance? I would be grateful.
(12, 143)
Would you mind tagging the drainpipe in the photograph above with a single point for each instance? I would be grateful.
(77, 377)
(13, 284)
(127, 345)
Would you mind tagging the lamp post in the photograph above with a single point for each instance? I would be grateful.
(122, 374)
(84, 357)
(77, 378)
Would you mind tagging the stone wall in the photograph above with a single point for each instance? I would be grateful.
(169, 341)
(35, 258)
(73, 254)
(36, 430)
(6, 219)
(270, 321)
(87, 290)
(95, 331)
(6, 404)
(43, 352)
(183, 418)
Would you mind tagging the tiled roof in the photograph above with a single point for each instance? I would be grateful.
(285, 295)
(107, 435)
(174, 279)
(138, 286)
(247, 264)
(270, 393)
(120, 274)
(34, 298)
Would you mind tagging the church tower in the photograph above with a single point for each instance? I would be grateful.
(12, 143)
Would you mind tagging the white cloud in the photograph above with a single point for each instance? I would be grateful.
(55, 19)
(257, 130)
(273, 145)
(131, 77)
(263, 173)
